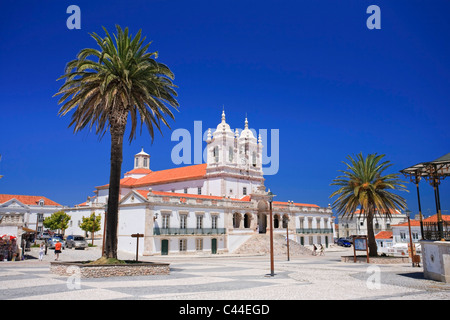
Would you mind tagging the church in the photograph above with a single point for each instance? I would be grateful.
(210, 208)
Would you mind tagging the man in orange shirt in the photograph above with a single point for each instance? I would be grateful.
(57, 249)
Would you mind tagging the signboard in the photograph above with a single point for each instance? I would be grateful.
(360, 244)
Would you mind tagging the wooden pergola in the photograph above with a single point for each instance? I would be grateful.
(433, 172)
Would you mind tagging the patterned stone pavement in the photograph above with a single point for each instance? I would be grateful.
(228, 278)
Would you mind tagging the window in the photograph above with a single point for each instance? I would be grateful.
(254, 159)
(244, 191)
(403, 235)
(185, 190)
(182, 244)
(145, 162)
(214, 222)
(165, 221)
(215, 153)
(230, 154)
(199, 244)
(137, 162)
(199, 221)
(183, 220)
(199, 190)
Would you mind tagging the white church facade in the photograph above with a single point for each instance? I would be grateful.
(213, 207)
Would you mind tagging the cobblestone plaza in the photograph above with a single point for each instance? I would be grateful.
(225, 277)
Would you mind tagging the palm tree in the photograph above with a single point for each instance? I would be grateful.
(107, 88)
(364, 186)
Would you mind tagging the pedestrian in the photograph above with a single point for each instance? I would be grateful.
(57, 249)
(314, 250)
(41, 251)
(322, 250)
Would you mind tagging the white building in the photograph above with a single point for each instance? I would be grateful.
(356, 224)
(206, 208)
(19, 213)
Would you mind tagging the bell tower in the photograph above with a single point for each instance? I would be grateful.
(142, 160)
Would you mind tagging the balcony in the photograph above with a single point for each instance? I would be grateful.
(314, 230)
(187, 231)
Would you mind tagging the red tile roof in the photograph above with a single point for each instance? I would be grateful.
(384, 235)
(414, 223)
(139, 171)
(185, 195)
(164, 176)
(171, 175)
(297, 204)
(28, 200)
(445, 217)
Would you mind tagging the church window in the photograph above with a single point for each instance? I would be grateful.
(145, 162)
(244, 191)
(216, 154)
(230, 154)
(137, 162)
(254, 159)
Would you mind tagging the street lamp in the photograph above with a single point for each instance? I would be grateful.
(271, 195)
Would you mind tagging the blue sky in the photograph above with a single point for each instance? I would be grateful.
(311, 69)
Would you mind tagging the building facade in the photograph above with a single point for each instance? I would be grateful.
(207, 208)
(22, 212)
(356, 224)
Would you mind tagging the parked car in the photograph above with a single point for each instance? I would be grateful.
(51, 242)
(44, 235)
(344, 242)
(77, 242)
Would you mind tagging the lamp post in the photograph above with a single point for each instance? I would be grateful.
(271, 195)
(287, 237)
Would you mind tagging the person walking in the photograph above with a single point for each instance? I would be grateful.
(322, 250)
(41, 251)
(57, 249)
(314, 250)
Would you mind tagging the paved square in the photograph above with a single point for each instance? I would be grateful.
(227, 277)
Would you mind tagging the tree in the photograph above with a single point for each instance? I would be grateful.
(91, 224)
(364, 186)
(57, 221)
(106, 88)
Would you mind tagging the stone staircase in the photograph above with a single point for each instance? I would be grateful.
(260, 244)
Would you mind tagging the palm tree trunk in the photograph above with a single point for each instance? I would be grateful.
(372, 244)
(114, 191)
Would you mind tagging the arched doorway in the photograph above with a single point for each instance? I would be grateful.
(262, 222)
(247, 220)
(276, 221)
(262, 216)
(236, 220)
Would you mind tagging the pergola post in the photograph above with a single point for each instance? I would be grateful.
(433, 172)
